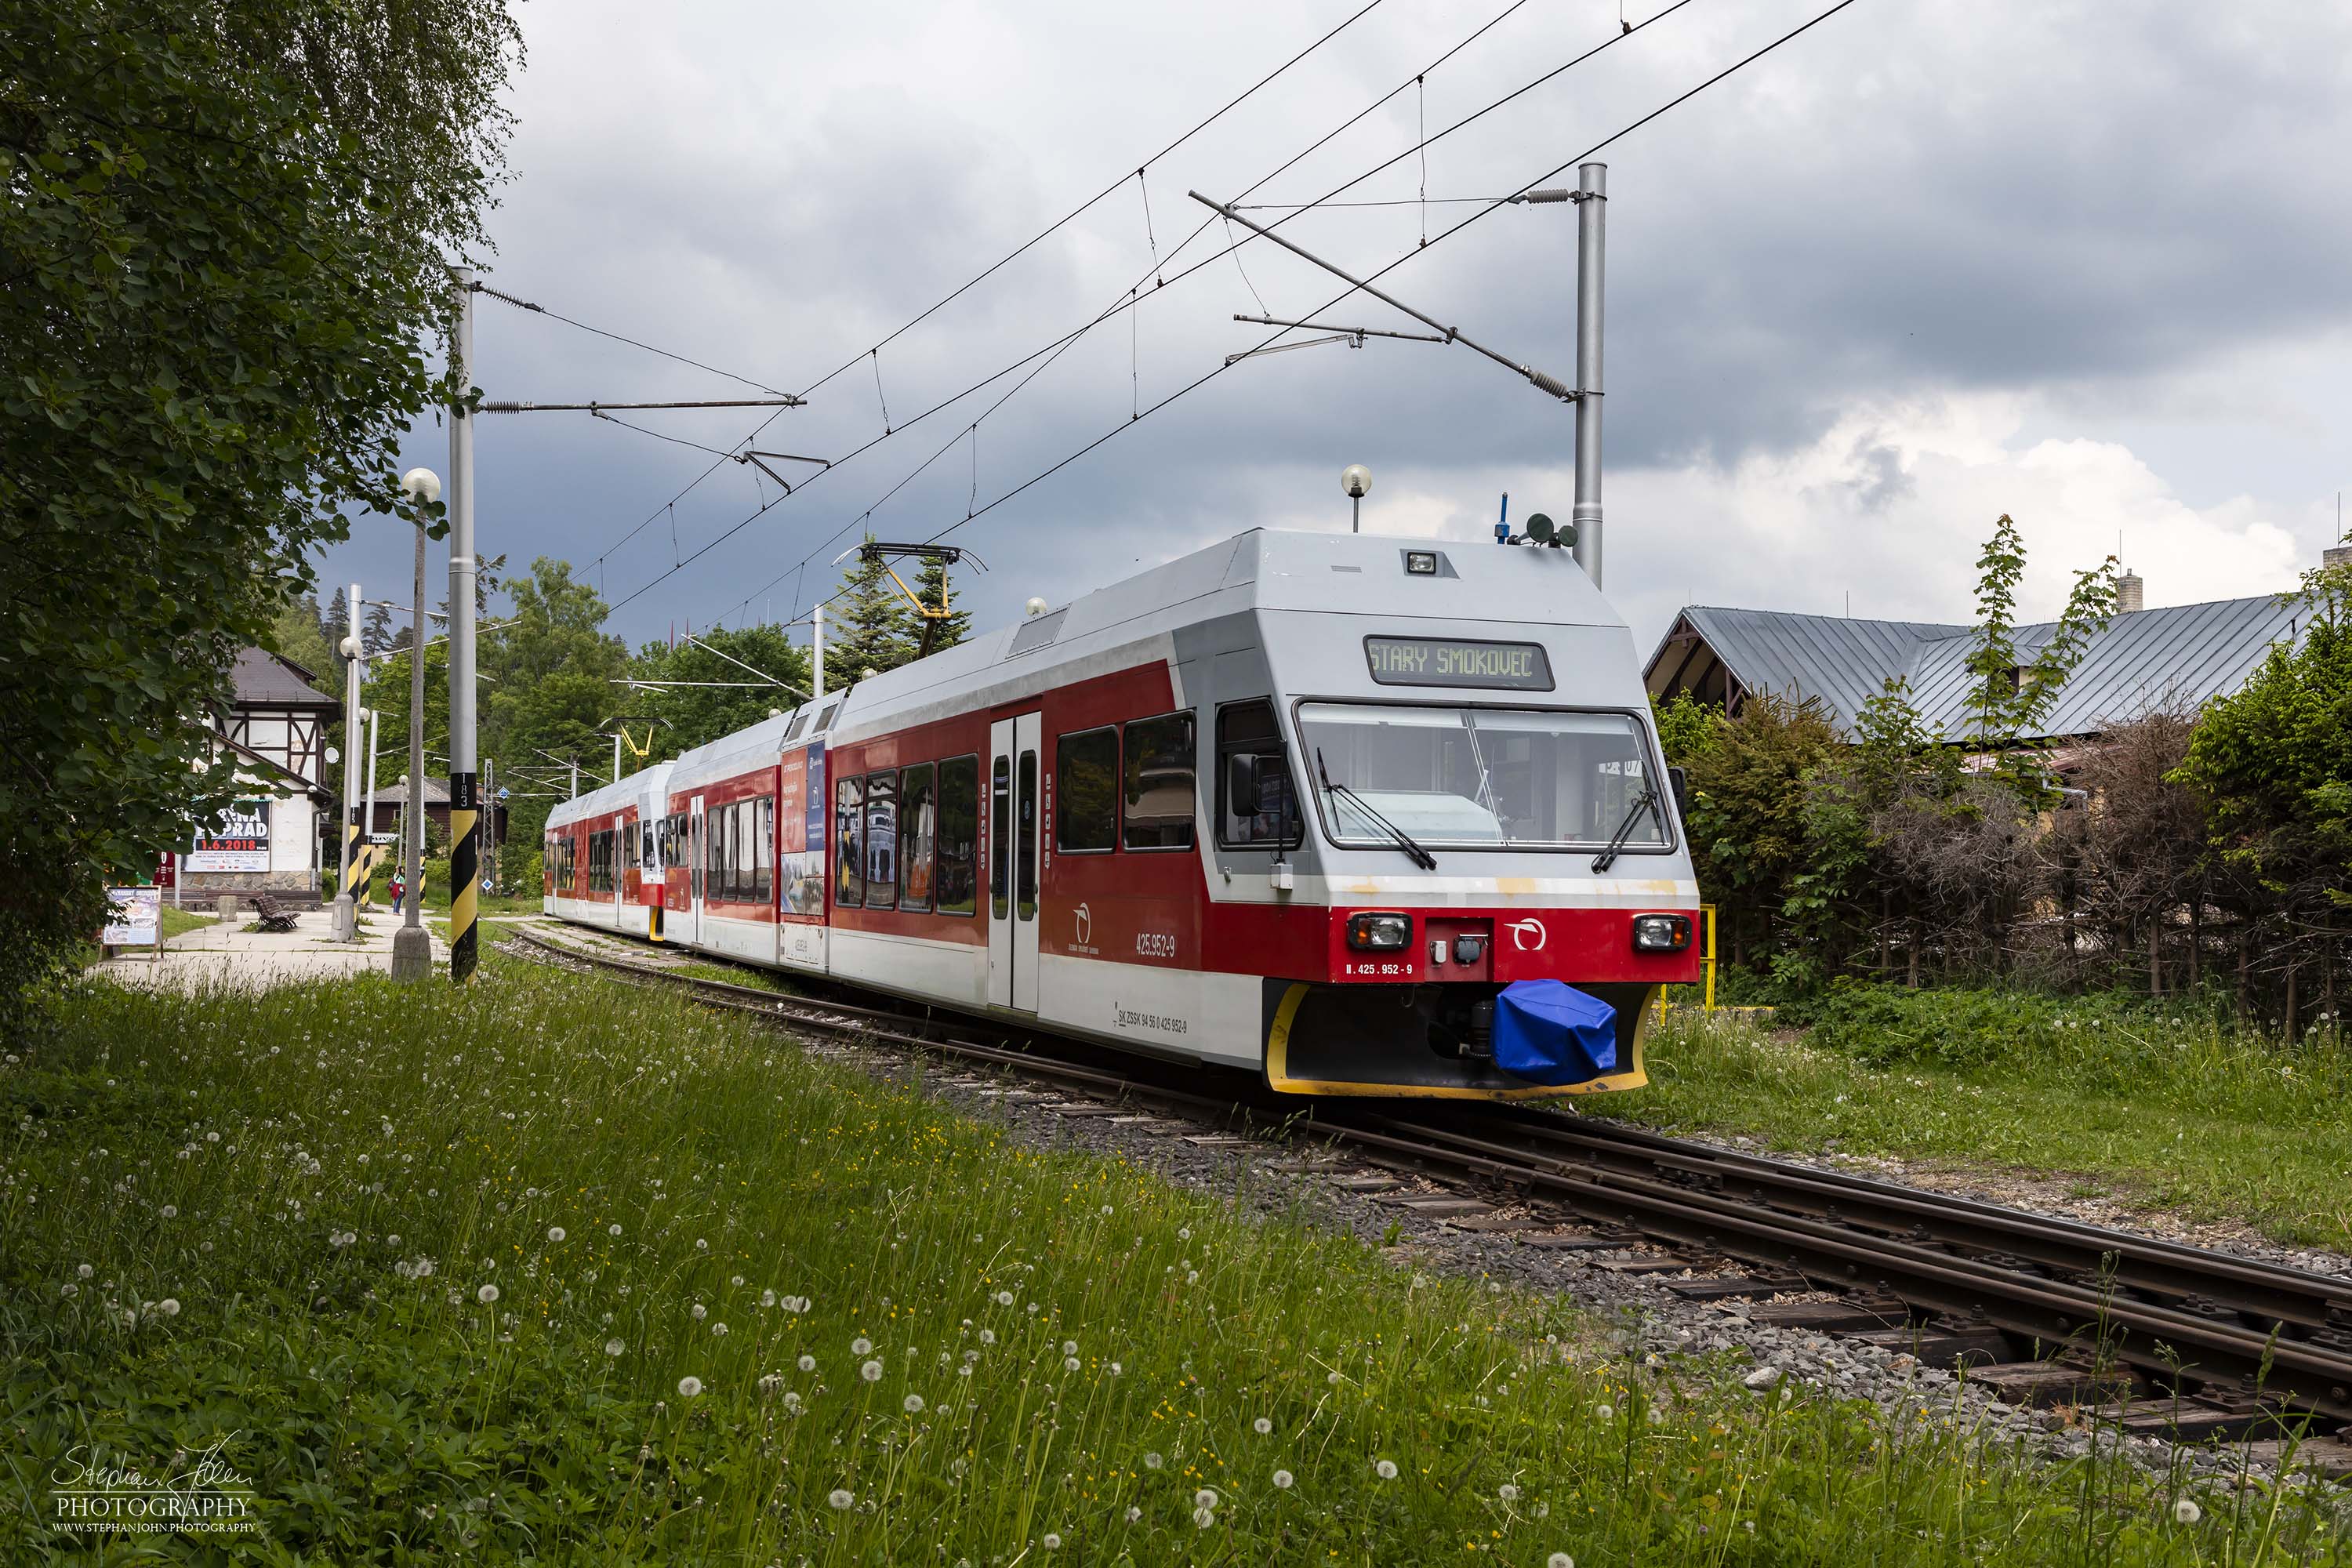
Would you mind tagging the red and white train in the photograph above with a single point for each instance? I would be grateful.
(1371, 815)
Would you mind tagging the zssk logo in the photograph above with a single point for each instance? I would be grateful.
(1085, 925)
(1528, 934)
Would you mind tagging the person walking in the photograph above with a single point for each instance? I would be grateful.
(399, 889)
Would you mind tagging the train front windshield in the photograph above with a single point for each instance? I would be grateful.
(1494, 778)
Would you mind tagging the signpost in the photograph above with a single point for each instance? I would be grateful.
(241, 843)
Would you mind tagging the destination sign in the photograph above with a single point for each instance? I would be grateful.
(1451, 661)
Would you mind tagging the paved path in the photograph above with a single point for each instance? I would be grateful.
(225, 954)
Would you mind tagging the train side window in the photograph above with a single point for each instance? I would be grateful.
(999, 840)
(1086, 792)
(849, 842)
(957, 836)
(917, 834)
(1158, 789)
(1256, 807)
(881, 840)
(747, 850)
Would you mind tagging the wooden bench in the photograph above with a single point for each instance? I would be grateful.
(273, 915)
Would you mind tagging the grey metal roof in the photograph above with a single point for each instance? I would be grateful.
(1843, 662)
(2180, 656)
(264, 679)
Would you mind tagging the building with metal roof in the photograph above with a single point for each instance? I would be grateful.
(2178, 657)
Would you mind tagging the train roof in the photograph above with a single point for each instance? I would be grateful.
(631, 791)
(1273, 571)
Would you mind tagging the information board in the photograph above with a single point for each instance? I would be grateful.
(136, 918)
(241, 843)
(1457, 661)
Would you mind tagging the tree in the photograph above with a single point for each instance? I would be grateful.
(694, 715)
(553, 685)
(377, 633)
(297, 634)
(1747, 812)
(2008, 701)
(870, 627)
(225, 234)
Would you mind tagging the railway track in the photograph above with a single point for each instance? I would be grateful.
(2171, 1340)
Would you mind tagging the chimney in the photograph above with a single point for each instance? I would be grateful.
(2130, 593)
(2336, 556)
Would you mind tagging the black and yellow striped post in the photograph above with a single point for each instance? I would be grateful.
(354, 857)
(363, 874)
(465, 873)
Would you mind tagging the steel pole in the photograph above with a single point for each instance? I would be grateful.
(616, 756)
(1591, 210)
(345, 922)
(412, 950)
(816, 650)
(464, 802)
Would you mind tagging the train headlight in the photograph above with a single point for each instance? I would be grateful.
(1661, 933)
(1377, 932)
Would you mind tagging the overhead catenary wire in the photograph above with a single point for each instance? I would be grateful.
(1131, 297)
(521, 304)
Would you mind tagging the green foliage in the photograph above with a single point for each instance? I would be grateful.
(222, 241)
(1747, 820)
(931, 586)
(299, 634)
(554, 687)
(695, 715)
(2009, 699)
(398, 1272)
(1687, 727)
(2275, 760)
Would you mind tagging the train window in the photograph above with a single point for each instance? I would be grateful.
(1000, 831)
(1157, 807)
(747, 850)
(628, 849)
(849, 841)
(881, 840)
(1086, 792)
(919, 807)
(1025, 894)
(959, 834)
(1256, 807)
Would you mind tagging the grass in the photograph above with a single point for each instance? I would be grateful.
(179, 923)
(2161, 1111)
(560, 1271)
(744, 975)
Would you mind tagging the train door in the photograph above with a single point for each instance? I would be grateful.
(695, 859)
(1014, 825)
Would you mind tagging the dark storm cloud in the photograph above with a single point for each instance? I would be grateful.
(1911, 201)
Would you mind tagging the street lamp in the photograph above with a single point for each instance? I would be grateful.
(411, 948)
(1356, 483)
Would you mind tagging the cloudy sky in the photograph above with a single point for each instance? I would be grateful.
(2082, 263)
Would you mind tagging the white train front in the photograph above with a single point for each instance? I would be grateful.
(1369, 815)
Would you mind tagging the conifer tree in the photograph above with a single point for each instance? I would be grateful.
(933, 588)
(869, 629)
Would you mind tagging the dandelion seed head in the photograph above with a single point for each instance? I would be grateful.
(913, 1404)
(1133, 1513)
(612, 1230)
(1282, 1479)
(871, 1372)
(840, 1497)
(1559, 1560)
(1385, 1469)
(1069, 1363)
(1004, 1298)
(486, 1294)
(988, 1336)
(2186, 1511)
(1151, 1462)
(1206, 1497)
(1508, 1492)
(699, 1311)
(1205, 1517)
(1606, 1412)
(806, 1364)
(1053, 1542)
(555, 1233)
(687, 1387)
(1261, 1425)
(861, 1346)
(613, 1347)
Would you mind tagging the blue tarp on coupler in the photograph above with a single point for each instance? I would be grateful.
(1548, 1032)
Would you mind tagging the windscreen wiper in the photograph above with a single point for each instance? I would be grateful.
(1647, 801)
(1404, 841)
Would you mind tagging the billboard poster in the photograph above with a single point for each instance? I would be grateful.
(241, 843)
(134, 917)
(800, 825)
